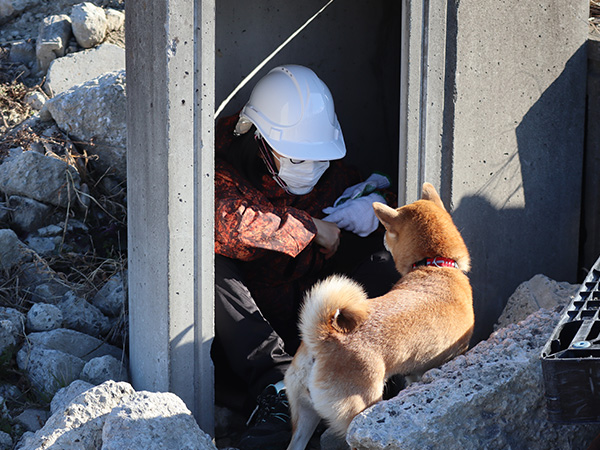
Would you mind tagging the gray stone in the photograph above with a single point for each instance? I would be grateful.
(12, 250)
(48, 292)
(43, 246)
(6, 442)
(35, 100)
(111, 297)
(491, 397)
(44, 317)
(50, 230)
(8, 340)
(104, 368)
(539, 292)
(32, 419)
(22, 51)
(80, 315)
(28, 214)
(16, 317)
(4, 214)
(153, 421)
(6, 10)
(12, 8)
(52, 40)
(27, 436)
(44, 114)
(11, 392)
(77, 68)
(42, 282)
(115, 20)
(4, 413)
(96, 110)
(89, 24)
(75, 343)
(48, 370)
(79, 424)
(67, 394)
(42, 178)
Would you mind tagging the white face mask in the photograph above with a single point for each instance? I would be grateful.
(300, 177)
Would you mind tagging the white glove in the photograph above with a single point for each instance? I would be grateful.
(355, 215)
(374, 182)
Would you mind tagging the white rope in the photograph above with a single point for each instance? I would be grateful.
(267, 59)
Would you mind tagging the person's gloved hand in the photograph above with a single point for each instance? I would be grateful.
(374, 182)
(355, 215)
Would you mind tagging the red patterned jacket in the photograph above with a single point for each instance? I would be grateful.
(271, 232)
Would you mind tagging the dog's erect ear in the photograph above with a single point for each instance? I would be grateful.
(429, 193)
(385, 214)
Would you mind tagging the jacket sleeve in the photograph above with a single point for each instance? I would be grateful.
(247, 225)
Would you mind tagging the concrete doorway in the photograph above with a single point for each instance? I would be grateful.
(354, 46)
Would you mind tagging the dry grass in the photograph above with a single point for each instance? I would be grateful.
(594, 8)
(87, 260)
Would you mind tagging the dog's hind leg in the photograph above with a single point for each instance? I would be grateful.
(339, 397)
(304, 417)
(307, 422)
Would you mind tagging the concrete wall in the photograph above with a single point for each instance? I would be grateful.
(517, 141)
(353, 46)
(590, 220)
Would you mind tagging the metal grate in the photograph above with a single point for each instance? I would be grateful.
(571, 357)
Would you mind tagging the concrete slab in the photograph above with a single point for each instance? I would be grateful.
(77, 68)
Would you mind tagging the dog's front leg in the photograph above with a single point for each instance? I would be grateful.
(305, 426)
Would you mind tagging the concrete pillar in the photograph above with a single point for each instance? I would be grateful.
(422, 97)
(170, 96)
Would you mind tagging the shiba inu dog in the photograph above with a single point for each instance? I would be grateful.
(351, 344)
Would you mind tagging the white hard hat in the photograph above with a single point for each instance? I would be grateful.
(293, 111)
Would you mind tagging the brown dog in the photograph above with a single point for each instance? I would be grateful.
(351, 344)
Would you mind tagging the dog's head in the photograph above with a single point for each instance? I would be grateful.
(420, 230)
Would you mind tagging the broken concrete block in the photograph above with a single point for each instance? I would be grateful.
(43, 178)
(22, 51)
(492, 397)
(77, 68)
(53, 39)
(96, 110)
(12, 250)
(115, 19)
(530, 296)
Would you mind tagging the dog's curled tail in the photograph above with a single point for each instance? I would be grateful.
(332, 307)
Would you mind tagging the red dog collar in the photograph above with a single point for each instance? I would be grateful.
(438, 261)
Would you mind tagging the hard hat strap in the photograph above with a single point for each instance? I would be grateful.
(268, 158)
